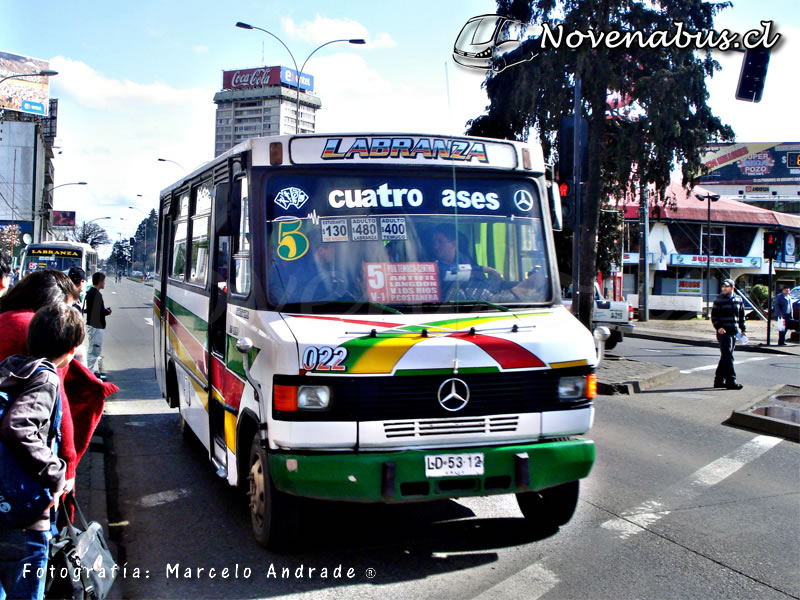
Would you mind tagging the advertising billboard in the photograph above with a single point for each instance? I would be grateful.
(242, 79)
(63, 218)
(29, 94)
(752, 163)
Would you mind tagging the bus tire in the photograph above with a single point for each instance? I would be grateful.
(272, 514)
(550, 508)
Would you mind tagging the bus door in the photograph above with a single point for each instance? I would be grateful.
(160, 324)
(217, 326)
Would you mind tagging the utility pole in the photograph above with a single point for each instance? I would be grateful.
(644, 228)
(577, 154)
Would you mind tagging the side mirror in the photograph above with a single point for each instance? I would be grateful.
(600, 334)
(554, 197)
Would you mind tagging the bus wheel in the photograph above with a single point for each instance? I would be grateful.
(552, 507)
(271, 512)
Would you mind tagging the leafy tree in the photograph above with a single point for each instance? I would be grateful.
(668, 83)
(9, 240)
(121, 255)
(90, 233)
(150, 226)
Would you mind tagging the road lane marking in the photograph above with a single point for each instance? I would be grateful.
(536, 580)
(643, 516)
(737, 362)
(153, 500)
(149, 321)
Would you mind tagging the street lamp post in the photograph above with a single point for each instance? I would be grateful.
(709, 198)
(45, 73)
(173, 162)
(43, 212)
(298, 72)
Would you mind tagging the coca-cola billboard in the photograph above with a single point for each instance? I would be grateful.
(242, 79)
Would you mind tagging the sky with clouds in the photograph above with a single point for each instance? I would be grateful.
(136, 80)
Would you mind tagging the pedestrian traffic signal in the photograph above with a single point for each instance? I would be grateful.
(752, 75)
(567, 204)
(770, 245)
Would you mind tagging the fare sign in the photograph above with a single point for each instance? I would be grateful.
(402, 283)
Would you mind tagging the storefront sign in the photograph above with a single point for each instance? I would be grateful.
(690, 286)
(632, 258)
(731, 262)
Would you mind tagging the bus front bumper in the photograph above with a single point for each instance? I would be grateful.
(400, 476)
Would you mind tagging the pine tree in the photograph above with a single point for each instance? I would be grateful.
(667, 83)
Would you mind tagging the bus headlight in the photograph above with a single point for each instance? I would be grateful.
(313, 397)
(578, 387)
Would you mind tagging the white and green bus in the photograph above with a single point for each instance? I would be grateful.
(374, 318)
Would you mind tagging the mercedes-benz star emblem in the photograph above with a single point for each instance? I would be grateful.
(523, 200)
(453, 394)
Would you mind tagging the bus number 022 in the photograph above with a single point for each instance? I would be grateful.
(324, 359)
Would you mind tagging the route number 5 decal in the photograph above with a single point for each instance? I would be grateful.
(292, 243)
(324, 359)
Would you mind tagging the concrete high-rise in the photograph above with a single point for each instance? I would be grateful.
(262, 102)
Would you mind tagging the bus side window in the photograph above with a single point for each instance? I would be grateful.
(179, 239)
(242, 251)
(201, 222)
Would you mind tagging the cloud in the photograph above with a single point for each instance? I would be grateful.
(357, 98)
(323, 29)
(113, 131)
(91, 88)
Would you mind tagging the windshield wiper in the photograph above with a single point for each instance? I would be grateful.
(479, 302)
(323, 306)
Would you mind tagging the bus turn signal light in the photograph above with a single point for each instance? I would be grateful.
(591, 386)
(284, 397)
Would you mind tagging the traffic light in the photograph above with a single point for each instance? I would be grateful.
(566, 143)
(770, 245)
(752, 75)
(567, 204)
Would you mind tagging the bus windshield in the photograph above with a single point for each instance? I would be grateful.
(49, 257)
(399, 243)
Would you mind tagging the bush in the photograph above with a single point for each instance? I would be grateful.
(759, 293)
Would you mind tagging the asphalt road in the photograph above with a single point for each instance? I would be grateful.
(752, 368)
(677, 506)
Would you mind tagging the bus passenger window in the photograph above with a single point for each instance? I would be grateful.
(242, 252)
(179, 252)
(198, 269)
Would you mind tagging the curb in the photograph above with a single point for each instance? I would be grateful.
(639, 384)
(744, 417)
(708, 343)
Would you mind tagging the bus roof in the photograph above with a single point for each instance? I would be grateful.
(62, 244)
(390, 149)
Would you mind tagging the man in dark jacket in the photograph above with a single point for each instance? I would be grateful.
(783, 310)
(727, 317)
(96, 313)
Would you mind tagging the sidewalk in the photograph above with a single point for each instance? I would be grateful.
(701, 332)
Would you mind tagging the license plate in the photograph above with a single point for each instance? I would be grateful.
(453, 465)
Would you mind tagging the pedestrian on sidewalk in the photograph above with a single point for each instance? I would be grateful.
(30, 429)
(783, 310)
(5, 276)
(727, 317)
(96, 313)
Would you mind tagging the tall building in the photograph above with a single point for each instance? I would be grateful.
(262, 102)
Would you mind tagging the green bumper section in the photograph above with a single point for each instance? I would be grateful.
(400, 476)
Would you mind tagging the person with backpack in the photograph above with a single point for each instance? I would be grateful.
(29, 429)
